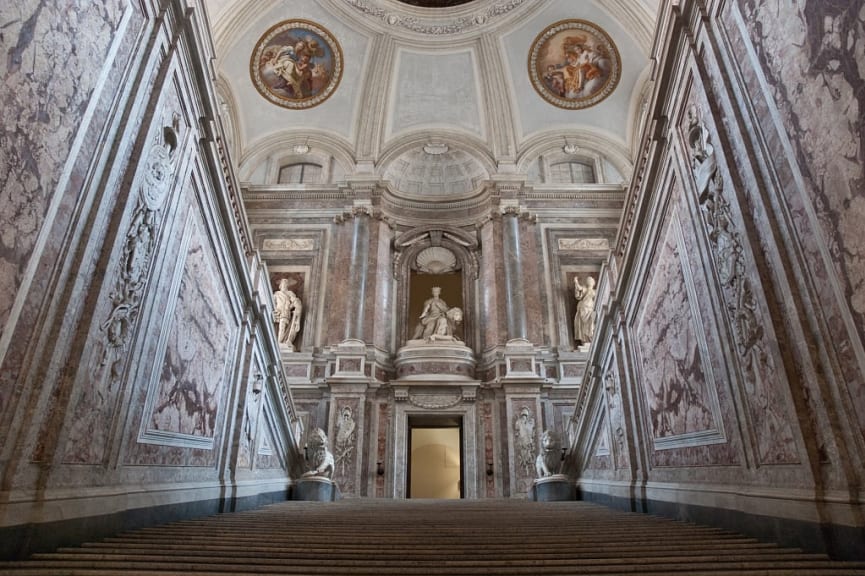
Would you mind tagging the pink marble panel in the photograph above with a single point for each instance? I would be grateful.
(349, 364)
(382, 275)
(572, 370)
(521, 365)
(492, 275)
(338, 301)
(533, 279)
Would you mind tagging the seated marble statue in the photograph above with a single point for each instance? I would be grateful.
(549, 458)
(437, 321)
(322, 459)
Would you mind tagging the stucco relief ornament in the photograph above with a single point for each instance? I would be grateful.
(296, 64)
(524, 440)
(141, 236)
(158, 167)
(574, 64)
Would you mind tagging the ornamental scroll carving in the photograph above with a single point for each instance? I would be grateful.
(775, 437)
(141, 238)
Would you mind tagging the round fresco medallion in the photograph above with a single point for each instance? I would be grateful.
(574, 64)
(296, 64)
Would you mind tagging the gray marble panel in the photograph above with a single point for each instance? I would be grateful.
(681, 402)
(810, 67)
(48, 85)
(189, 391)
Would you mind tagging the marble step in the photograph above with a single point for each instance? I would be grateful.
(376, 537)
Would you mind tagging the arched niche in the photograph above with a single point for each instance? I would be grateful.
(437, 240)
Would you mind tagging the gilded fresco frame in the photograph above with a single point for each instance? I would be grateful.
(574, 64)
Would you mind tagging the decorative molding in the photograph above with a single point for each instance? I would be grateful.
(436, 25)
(584, 244)
(439, 402)
(288, 244)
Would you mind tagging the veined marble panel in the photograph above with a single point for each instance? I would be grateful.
(47, 87)
(188, 392)
(679, 390)
(811, 56)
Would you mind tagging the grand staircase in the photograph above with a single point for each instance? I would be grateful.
(404, 537)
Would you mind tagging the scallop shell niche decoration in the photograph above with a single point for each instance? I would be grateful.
(436, 260)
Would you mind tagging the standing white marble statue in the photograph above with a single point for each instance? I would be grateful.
(584, 319)
(287, 311)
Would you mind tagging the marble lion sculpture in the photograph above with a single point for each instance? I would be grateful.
(322, 458)
(548, 460)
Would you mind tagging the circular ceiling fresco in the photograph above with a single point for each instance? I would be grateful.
(296, 64)
(574, 64)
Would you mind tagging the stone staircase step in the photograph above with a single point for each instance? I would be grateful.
(431, 538)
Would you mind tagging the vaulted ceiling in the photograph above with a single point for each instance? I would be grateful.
(453, 76)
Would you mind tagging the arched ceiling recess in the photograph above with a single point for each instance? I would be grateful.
(435, 170)
(585, 141)
(262, 159)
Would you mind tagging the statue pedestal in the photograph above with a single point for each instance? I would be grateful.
(421, 360)
(555, 488)
(315, 489)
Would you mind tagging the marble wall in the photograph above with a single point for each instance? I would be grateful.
(735, 318)
(134, 312)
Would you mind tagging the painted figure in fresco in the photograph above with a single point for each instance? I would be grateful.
(584, 319)
(584, 69)
(287, 312)
(524, 433)
(294, 67)
(434, 310)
